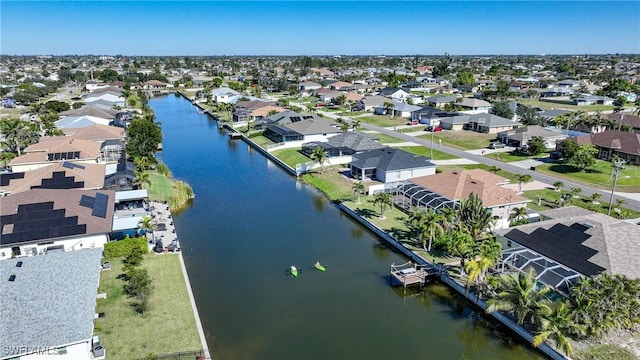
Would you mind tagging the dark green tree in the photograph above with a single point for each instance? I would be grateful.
(501, 108)
(144, 137)
(536, 145)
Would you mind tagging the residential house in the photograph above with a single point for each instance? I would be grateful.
(474, 106)
(440, 101)
(624, 145)
(308, 86)
(484, 123)
(390, 165)
(93, 111)
(154, 85)
(556, 92)
(625, 119)
(61, 288)
(593, 100)
(314, 129)
(105, 101)
(341, 86)
(42, 220)
(223, 95)
(550, 115)
(448, 189)
(370, 103)
(51, 149)
(63, 175)
(394, 93)
(572, 243)
(520, 137)
(281, 118)
(430, 116)
(74, 122)
(346, 143)
(404, 110)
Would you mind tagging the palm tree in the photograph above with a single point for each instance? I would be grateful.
(595, 197)
(319, 155)
(476, 270)
(619, 203)
(494, 169)
(142, 163)
(450, 216)
(523, 179)
(146, 225)
(575, 192)
(358, 189)
(388, 107)
(565, 199)
(415, 220)
(518, 214)
(558, 185)
(519, 294)
(556, 323)
(383, 200)
(474, 217)
(431, 226)
(15, 132)
(141, 179)
(355, 124)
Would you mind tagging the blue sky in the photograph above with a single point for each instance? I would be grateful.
(318, 27)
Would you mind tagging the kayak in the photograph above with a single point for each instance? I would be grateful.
(319, 266)
(294, 271)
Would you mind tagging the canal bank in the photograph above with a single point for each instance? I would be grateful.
(251, 221)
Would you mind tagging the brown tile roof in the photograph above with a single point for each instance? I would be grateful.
(626, 142)
(96, 132)
(37, 153)
(69, 200)
(253, 104)
(92, 177)
(627, 119)
(458, 185)
(263, 111)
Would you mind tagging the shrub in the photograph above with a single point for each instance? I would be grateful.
(124, 247)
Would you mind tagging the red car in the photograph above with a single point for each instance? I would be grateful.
(433, 129)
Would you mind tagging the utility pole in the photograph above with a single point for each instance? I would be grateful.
(618, 164)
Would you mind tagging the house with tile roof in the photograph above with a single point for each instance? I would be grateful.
(71, 122)
(622, 119)
(41, 220)
(484, 123)
(394, 93)
(474, 106)
(52, 149)
(624, 145)
(61, 175)
(447, 189)
(309, 130)
(61, 288)
(91, 111)
(570, 243)
(389, 165)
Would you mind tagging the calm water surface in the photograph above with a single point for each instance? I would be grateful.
(250, 221)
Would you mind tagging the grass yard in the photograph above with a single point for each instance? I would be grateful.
(383, 120)
(291, 157)
(548, 199)
(548, 105)
(169, 325)
(332, 183)
(262, 141)
(386, 139)
(512, 156)
(599, 176)
(161, 187)
(462, 139)
(425, 151)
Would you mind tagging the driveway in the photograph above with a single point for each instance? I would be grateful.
(527, 164)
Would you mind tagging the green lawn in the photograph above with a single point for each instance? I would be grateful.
(548, 105)
(161, 187)
(383, 120)
(385, 139)
(599, 176)
(262, 141)
(462, 139)
(425, 151)
(169, 325)
(514, 156)
(549, 197)
(291, 157)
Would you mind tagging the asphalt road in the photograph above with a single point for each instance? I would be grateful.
(632, 200)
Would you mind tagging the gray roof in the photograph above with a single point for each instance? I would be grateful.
(51, 302)
(441, 99)
(488, 120)
(313, 127)
(91, 111)
(388, 159)
(355, 141)
(608, 243)
(551, 114)
(375, 100)
(527, 132)
(404, 107)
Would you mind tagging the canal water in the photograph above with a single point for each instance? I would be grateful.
(250, 221)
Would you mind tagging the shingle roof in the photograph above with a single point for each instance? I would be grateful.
(91, 111)
(37, 153)
(96, 132)
(458, 185)
(313, 127)
(51, 302)
(610, 243)
(88, 176)
(625, 119)
(626, 142)
(355, 141)
(387, 159)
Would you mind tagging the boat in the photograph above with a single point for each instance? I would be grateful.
(319, 267)
(294, 271)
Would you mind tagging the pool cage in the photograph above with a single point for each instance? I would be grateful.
(409, 195)
(547, 271)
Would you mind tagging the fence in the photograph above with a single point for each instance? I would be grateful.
(184, 355)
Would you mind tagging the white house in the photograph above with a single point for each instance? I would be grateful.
(223, 95)
(390, 165)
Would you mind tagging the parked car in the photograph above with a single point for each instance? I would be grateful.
(433, 129)
(557, 155)
(496, 145)
(413, 122)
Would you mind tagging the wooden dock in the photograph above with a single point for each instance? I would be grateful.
(235, 135)
(409, 274)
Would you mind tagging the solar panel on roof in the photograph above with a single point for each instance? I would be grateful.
(100, 205)
(87, 201)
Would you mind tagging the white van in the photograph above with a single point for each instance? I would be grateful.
(496, 145)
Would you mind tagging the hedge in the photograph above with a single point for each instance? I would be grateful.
(124, 247)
